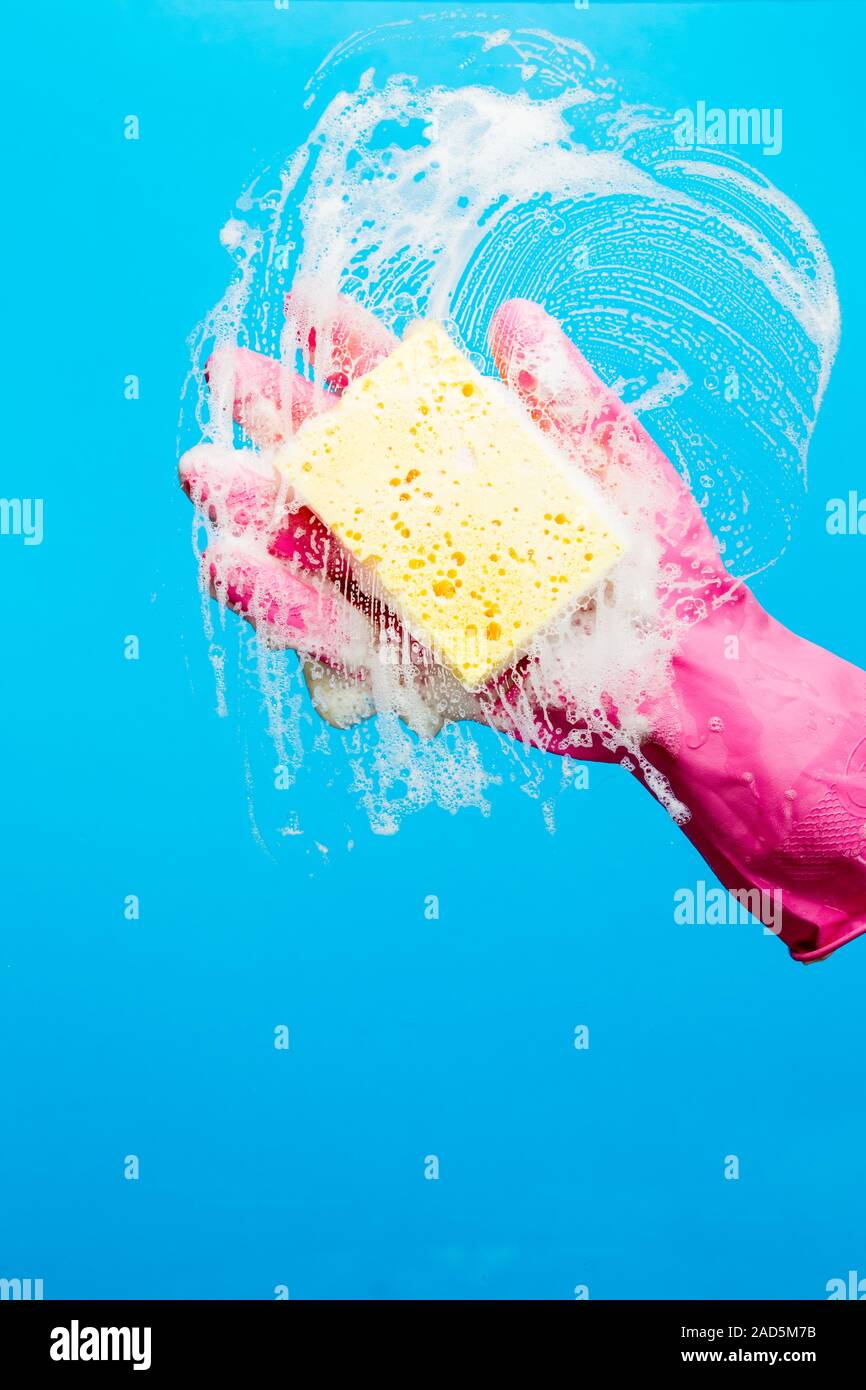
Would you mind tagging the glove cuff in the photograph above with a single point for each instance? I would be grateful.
(764, 741)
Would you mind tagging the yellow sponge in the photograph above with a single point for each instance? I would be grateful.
(453, 505)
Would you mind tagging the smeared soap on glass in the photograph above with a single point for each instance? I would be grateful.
(700, 293)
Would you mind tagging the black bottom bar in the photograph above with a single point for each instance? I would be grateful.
(211, 1338)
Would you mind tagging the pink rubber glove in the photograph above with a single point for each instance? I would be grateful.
(762, 735)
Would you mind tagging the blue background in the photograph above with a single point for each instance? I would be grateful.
(261, 1167)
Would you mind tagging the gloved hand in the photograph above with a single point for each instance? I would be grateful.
(760, 734)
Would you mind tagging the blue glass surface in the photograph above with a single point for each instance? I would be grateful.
(305, 1168)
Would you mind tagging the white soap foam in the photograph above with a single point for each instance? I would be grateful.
(698, 291)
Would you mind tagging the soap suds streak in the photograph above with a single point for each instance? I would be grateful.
(691, 284)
